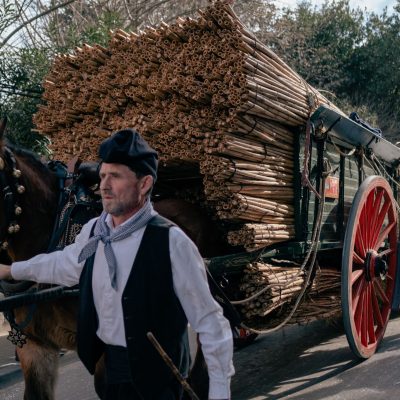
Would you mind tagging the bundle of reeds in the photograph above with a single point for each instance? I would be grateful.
(254, 236)
(281, 284)
(201, 90)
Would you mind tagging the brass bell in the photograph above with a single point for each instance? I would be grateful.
(1, 164)
(18, 210)
(4, 245)
(16, 173)
(20, 189)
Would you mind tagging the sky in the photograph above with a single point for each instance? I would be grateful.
(371, 5)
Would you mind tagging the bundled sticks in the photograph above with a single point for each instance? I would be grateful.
(202, 91)
(282, 283)
(255, 236)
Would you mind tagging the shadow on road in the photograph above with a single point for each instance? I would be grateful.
(309, 362)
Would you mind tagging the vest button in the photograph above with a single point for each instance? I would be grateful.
(129, 338)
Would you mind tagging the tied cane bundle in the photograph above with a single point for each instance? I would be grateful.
(209, 97)
(284, 281)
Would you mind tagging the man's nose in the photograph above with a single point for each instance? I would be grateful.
(104, 183)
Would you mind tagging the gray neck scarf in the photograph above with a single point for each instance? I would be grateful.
(102, 232)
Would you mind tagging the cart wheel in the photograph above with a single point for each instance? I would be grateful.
(369, 266)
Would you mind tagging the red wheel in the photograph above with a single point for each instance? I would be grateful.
(369, 265)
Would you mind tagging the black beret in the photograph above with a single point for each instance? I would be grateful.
(129, 148)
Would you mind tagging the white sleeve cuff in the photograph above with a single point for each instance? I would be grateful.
(220, 389)
(18, 271)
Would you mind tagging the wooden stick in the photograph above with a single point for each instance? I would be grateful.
(186, 387)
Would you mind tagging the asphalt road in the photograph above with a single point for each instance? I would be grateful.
(298, 362)
(314, 362)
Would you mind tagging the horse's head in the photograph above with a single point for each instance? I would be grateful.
(28, 198)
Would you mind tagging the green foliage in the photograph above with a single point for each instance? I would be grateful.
(70, 33)
(318, 42)
(99, 33)
(21, 73)
(350, 55)
(375, 71)
(19, 125)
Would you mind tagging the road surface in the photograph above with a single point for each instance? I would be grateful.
(310, 362)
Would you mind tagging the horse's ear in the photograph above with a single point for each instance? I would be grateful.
(3, 124)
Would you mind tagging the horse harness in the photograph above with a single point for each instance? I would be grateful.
(11, 189)
(77, 204)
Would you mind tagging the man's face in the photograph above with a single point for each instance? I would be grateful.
(121, 191)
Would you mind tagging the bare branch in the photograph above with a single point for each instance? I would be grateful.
(24, 18)
(127, 10)
(50, 10)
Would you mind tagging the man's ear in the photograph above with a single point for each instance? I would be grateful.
(146, 183)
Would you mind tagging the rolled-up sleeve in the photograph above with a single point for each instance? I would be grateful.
(59, 267)
(203, 312)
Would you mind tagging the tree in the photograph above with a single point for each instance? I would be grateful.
(375, 69)
(318, 42)
(21, 73)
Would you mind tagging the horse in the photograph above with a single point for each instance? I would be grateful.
(26, 226)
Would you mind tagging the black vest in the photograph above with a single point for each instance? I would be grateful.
(149, 303)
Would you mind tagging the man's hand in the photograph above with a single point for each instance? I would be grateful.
(5, 272)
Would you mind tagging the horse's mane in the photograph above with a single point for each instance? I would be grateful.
(32, 159)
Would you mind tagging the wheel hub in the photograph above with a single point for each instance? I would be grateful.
(375, 266)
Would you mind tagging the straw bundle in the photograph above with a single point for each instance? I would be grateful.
(201, 91)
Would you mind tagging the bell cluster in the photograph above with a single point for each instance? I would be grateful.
(13, 227)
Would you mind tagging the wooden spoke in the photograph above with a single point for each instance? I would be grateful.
(356, 275)
(357, 259)
(384, 234)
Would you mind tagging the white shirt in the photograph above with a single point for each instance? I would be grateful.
(190, 286)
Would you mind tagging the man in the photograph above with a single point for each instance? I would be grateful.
(137, 273)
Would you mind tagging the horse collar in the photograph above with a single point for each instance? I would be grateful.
(10, 187)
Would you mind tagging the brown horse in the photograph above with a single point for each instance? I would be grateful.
(53, 325)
